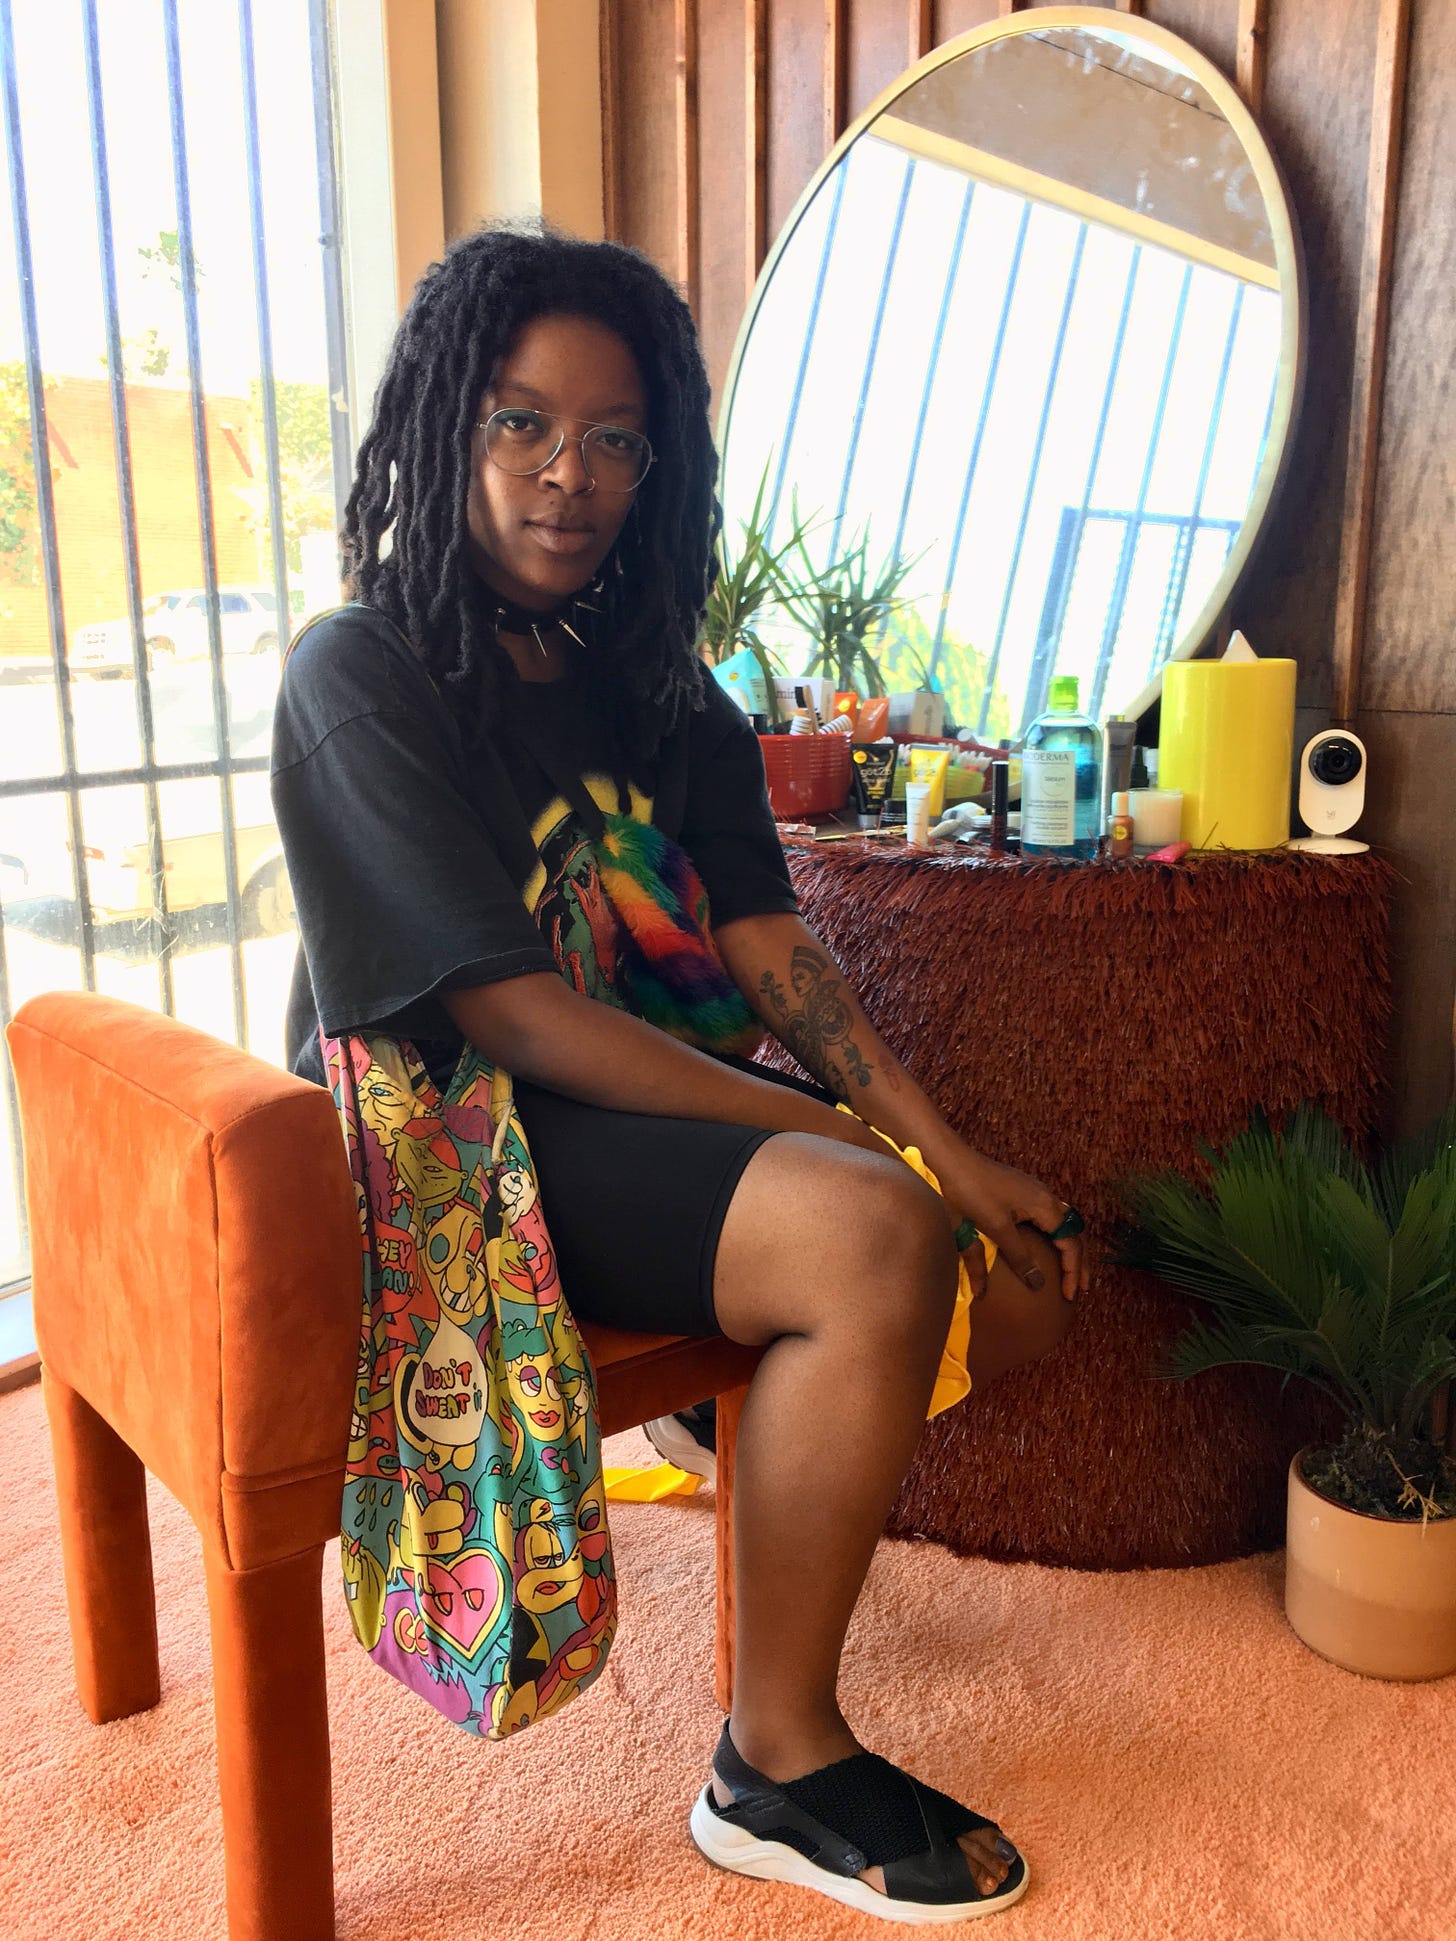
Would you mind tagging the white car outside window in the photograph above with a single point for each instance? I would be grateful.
(175, 628)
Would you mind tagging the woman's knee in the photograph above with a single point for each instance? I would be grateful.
(822, 1233)
(905, 1236)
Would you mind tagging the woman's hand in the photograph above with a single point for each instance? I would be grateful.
(996, 1199)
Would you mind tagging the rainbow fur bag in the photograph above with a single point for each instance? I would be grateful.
(666, 958)
(476, 1557)
(668, 968)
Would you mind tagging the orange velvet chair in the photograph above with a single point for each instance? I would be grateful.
(183, 1195)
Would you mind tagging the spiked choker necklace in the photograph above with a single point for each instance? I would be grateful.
(513, 619)
(525, 620)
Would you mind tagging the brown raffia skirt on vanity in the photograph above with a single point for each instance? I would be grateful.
(1084, 1022)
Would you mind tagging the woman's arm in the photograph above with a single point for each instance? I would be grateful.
(543, 1031)
(805, 999)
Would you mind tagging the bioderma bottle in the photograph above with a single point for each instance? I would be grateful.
(1061, 778)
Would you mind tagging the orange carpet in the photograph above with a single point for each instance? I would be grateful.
(1175, 1764)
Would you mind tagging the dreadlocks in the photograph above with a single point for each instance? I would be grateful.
(413, 474)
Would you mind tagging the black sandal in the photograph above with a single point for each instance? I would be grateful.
(889, 1819)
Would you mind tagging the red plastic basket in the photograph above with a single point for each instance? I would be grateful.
(807, 774)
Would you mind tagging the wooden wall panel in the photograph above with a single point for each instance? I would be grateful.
(1317, 115)
(1410, 648)
(1212, 26)
(644, 138)
(952, 17)
(1411, 813)
(795, 103)
(879, 48)
(723, 287)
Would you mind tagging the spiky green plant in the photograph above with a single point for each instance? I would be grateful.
(1330, 1271)
(748, 588)
(843, 607)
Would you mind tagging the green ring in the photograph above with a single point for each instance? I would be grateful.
(966, 1234)
(1071, 1226)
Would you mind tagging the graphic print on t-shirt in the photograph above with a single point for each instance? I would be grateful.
(565, 895)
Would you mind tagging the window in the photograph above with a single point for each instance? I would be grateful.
(173, 442)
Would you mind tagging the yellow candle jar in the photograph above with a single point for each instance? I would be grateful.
(1227, 741)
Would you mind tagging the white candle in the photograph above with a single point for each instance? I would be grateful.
(1157, 817)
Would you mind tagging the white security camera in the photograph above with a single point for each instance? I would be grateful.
(1332, 792)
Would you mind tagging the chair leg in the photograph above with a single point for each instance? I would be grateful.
(106, 1555)
(271, 1703)
(729, 1408)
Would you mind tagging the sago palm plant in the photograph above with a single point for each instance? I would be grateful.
(1331, 1272)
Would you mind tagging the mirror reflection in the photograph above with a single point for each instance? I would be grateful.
(1024, 348)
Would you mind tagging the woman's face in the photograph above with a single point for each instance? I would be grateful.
(539, 537)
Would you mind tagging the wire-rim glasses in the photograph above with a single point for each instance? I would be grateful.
(520, 442)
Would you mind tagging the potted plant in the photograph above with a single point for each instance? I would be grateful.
(1345, 1276)
(746, 589)
(843, 606)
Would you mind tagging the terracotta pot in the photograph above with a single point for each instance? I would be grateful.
(1376, 1594)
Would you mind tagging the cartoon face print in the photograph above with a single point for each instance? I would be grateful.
(385, 1107)
(574, 915)
(364, 1588)
(537, 1395)
(517, 1192)
(548, 1576)
(453, 1257)
(429, 1168)
(591, 1522)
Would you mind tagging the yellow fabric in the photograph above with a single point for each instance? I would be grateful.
(952, 1382)
(647, 1485)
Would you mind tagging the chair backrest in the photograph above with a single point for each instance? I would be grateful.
(194, 1236)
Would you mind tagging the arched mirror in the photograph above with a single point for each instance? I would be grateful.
(1031, 339)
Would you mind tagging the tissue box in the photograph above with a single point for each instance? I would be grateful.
(921, 713)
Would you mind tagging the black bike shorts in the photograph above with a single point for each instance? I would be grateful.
(634, 1203)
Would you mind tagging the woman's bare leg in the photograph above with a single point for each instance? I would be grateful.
(843, 1263)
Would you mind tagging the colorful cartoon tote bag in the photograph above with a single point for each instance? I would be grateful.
(476, 1556)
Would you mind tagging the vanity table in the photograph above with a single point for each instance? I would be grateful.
(1023, 365)
(1085, 1021)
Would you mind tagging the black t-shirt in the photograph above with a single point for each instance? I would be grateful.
(417, 869)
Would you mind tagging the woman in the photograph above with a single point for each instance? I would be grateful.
(530, 540)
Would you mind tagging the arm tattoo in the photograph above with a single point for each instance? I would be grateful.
(816, 1029)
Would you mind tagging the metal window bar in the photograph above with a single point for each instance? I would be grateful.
(993, 372)
(41, 458)
(1173, 592)
(1124, 564)
(267, 387)
(144, 772)
(872, 351)
(341, 442)
(993, 661)
(1205, 463)
(1069, 540)
(45, 508)
(202, 468)
(1067, 558)
(71, 782)
(841, 176)
(125, 488)
(932, 366)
